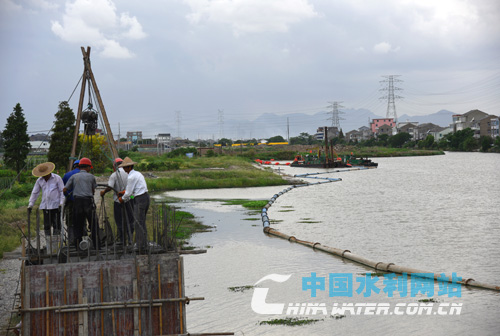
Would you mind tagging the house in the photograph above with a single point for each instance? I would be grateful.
(354, 136)
(332, 132)
(163, 143)
(438, 135)
(366, 132)
(409, 127)
(468, 120)
(426, 129)
(489, 126)
(376, 123)
(384, 129)
(39, 146)
(134, 137)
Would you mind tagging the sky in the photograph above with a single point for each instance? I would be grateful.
(196, 68)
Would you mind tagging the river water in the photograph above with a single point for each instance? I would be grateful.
(437, 213)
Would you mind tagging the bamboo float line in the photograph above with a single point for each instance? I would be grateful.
(379, 266)
(108, 305)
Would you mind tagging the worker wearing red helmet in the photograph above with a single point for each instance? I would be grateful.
(84, 185)
(123, 212)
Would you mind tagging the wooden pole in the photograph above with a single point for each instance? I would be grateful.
(99, 101)
(80, 107)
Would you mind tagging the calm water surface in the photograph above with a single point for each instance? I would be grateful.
(439, 214)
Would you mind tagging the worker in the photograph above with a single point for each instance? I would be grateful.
(137, 192)
(68, 204)
(122, 211)
(84, 185)
(51, 186)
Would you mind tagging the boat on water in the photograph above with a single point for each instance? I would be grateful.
(317, 161)
(322, 161)
(358, 161)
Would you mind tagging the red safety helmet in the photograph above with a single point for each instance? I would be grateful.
(117, 160)
(85, 161)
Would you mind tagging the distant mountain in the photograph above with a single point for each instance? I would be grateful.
(442, 118)
(269, 124)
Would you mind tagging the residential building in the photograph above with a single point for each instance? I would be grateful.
(39, 146)
(134, 137)
(376, 123)
(163, 143)
(409, 127)
(468, 120)
(332, 132)
(384, 129)
(354, 136)
(438, 135)
(489, 126)
(426, 129)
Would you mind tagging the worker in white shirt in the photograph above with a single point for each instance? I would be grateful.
(136, 192)
(51, 186)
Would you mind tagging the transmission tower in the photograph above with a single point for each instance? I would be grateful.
(335, 118)
(178, 120)
(221, 124)
(391, 97)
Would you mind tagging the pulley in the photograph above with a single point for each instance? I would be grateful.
(89, 119)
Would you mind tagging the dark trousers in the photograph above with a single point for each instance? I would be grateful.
(124, 216)
(52, 219)
(68, 214)
(84, 209)
(141, 206)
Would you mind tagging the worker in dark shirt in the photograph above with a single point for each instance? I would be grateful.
(84, 185)
(68, 204)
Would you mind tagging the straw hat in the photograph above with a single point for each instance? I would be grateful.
(43, 169)
(127, 162)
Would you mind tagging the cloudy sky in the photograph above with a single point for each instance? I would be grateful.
(183, 66)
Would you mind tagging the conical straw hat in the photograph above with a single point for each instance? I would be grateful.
(43, 169)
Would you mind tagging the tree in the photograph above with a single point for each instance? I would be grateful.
(62, 137)
(398, 140)
(16, 140)
(95, 147)
(427, 143)
(462, 140)
(276, 138)
(225, 142)
(486, 143)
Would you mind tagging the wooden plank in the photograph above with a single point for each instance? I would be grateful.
(65, 301)
(159, 297)
(47, 303)
(80, 314)
(102, 300)
(136, 310)
(25, 299)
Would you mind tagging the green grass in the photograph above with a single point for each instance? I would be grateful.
(253, 205)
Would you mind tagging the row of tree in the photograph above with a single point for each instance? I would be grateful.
(15, 139)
